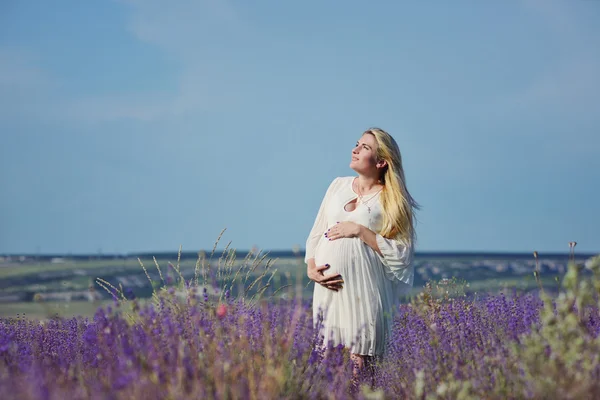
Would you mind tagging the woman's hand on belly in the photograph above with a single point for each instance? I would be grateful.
(345, 229)
(315, 273)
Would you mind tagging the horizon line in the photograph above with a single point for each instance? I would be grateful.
(287, 253)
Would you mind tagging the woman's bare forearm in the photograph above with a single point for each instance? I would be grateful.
(369, 237)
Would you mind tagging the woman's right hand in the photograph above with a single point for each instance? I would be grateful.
(315, 273)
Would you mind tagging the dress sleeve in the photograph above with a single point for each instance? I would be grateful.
(397, 257)
(319, 225)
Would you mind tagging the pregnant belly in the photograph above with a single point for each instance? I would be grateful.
(340, 254)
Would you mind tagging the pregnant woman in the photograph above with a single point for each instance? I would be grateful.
(360, 249)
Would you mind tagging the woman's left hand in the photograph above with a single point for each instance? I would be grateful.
(346, 229)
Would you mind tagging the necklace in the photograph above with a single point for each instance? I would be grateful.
(364, 202)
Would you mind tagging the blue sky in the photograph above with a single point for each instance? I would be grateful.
(144, 125)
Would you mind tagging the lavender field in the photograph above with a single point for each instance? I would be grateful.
(189, 343)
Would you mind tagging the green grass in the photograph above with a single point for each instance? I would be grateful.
(48, 309)
(36, 268)
(26, 278)
(132, 264)
(517, 282)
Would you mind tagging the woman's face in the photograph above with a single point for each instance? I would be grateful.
(364, 154)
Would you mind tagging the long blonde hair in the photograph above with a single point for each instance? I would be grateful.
(398, 205)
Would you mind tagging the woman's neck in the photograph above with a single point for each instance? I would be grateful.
(366, 184)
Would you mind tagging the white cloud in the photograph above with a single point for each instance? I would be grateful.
(184, 30)
(572, 85)
(560, 19)
(24, 86)
(137, 107)
(18, 71)
(182, 27)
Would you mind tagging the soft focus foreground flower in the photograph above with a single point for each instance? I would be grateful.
(593, 264)
(221, 310)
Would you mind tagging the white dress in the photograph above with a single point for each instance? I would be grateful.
(359, 316)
